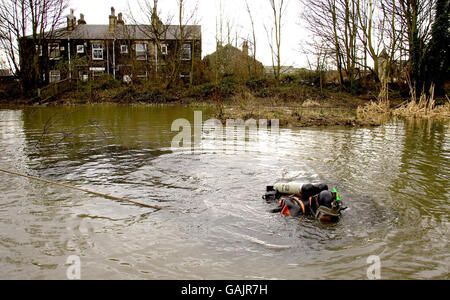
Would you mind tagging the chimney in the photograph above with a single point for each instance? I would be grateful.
(71, 21)
(112, 20)
(120, 21)
(81, 21)
(156, 22)
(245, 47)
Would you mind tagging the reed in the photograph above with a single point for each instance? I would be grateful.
(375, 112)
(425, 107)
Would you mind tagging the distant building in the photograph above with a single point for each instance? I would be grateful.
(397, 69)
(124, 51)
(269, 70)
(230, 61)
(6, 73)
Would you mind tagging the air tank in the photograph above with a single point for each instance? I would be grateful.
(290, 188)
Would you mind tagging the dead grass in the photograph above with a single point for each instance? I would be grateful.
(310, 103)
(425, 107)
(298, 116)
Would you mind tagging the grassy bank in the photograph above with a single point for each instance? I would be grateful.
(293, 103)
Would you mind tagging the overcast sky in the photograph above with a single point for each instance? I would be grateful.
(97, 12)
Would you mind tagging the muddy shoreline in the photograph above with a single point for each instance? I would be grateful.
(309, 113)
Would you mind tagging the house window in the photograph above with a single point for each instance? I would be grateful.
(164, 50)
(55, 76)
(39, 50)
(80, 48)
(54, 51)
(97, 51)
(143, 75)
(186, 52)
(185, 74)
(124, 49)
(141, 51)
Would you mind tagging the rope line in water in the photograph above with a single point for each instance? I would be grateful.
(82, 190)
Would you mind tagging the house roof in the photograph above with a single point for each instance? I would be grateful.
(136, 32)
(228, 51)
(283, 69)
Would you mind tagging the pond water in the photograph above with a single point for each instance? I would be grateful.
(394, 179)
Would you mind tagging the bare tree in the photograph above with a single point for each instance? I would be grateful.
(36, 19)
(416, 16)
(348, 28)
(159, 30)
(278, 10)
(321, 18)
(252, 22)
(155, 29)
(185, 37)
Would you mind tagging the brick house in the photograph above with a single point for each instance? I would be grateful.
(124, 51)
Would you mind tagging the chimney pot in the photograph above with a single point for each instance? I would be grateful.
(120, 21)
(245, 47)
(82, 20)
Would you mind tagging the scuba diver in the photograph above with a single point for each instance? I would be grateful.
(296, 199)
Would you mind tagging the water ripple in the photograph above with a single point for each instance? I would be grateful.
(394, 178)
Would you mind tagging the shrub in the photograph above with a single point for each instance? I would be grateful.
(288, 78)
(151, 95)
(227, 87)
(105, 82)
(257, 84)
(10, 90)
(202, 91)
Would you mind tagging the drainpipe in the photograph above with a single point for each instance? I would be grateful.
(70, 64)
(114, 58)
(156, 58)
(107, 56)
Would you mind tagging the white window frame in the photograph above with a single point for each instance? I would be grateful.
(54, 76)
(164, 49)
(141, 51)
(54, 47)
(186, 75)
(80, 49)
(186, 47)
(124, 49)
(97, 47)
(39, 50)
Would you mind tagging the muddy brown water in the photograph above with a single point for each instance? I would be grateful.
(394, 179)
